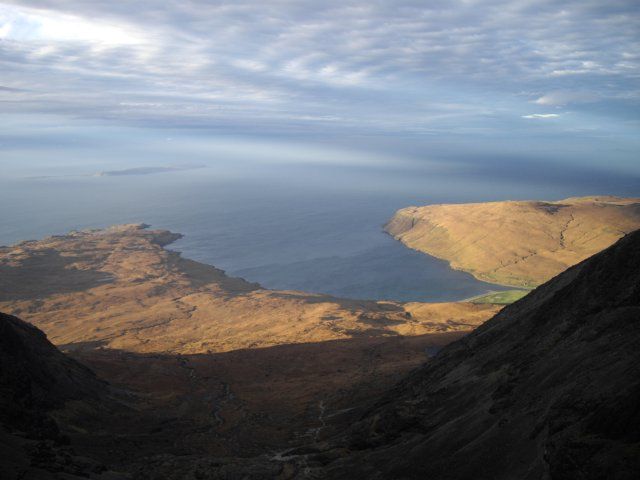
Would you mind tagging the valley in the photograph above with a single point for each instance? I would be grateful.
(217, 365)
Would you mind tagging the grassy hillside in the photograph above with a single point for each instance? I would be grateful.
(523, 243)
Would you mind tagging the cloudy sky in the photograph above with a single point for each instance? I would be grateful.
(550, 80)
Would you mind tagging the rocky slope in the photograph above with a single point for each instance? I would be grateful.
(520, 243)
(548, 388)
(44, 394)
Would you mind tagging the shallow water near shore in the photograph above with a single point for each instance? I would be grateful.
(308, 230)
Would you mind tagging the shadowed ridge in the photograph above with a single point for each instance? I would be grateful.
(40, 390)
(36, 377)
(548, 388)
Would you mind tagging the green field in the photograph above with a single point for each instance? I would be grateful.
(500, 298)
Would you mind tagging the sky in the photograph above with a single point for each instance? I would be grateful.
(456, 82)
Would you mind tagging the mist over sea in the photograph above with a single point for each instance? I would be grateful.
(307, 226)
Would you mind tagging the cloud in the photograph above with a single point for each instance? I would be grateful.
(541, 115)
(316, 67)
(564, 97)
(32, 25)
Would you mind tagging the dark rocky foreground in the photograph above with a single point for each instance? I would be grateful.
(42, 390)
(548, 388)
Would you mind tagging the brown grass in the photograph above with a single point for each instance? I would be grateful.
(519, 243)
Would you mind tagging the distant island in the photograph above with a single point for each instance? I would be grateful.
(516, 243)
(145, 170)
(124, 172)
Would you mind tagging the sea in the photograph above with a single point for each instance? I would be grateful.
(310, 227)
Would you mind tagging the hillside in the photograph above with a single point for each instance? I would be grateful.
(548, 388)
(519, 243)
(44, 395)
(119, 288)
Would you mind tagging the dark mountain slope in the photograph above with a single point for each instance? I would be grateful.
(37, 384)
(548, 388)
(35, 377)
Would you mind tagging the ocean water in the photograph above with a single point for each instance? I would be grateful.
(312, 227)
